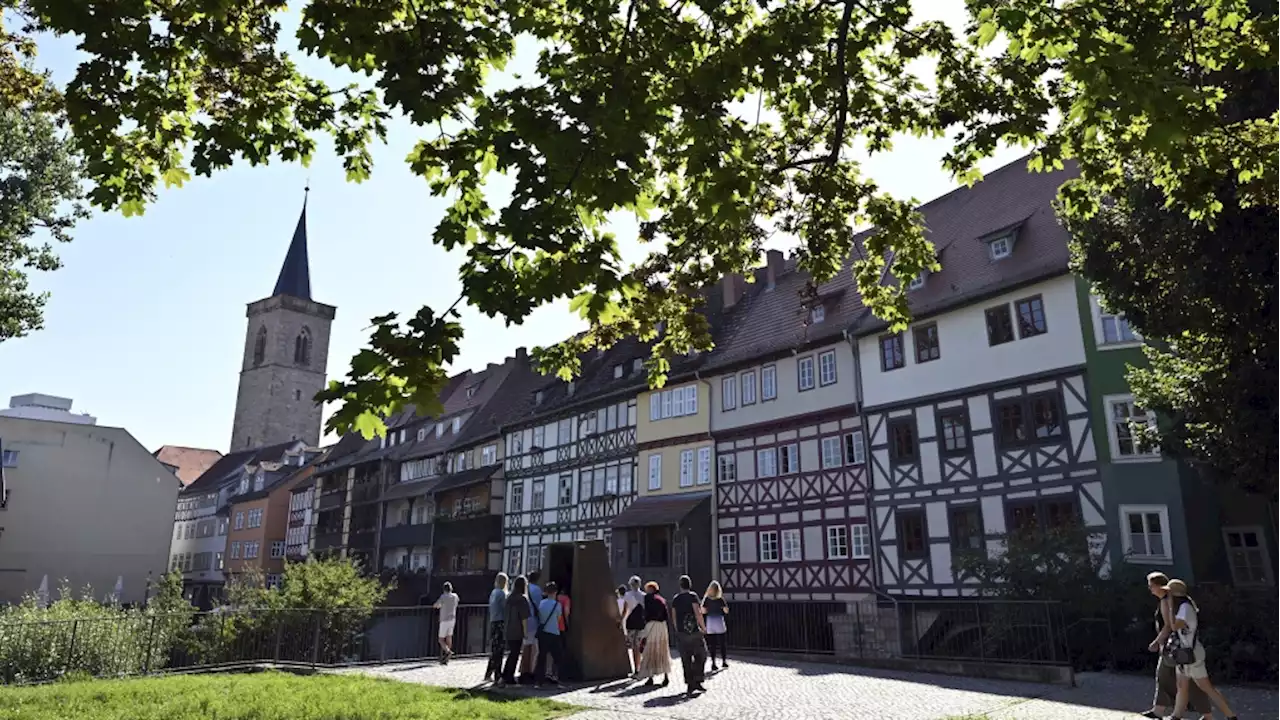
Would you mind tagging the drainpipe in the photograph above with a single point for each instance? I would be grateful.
(715, 522)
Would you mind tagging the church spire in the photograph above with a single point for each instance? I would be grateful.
(295, 274)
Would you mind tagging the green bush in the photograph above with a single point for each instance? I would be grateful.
(80, 636)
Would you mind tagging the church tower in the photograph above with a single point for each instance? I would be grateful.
(285, 351)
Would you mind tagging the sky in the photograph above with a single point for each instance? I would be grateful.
(146, 324)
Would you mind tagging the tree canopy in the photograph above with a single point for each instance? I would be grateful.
(636, 106)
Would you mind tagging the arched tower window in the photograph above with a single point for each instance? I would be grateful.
(260, 347)
(302, 348)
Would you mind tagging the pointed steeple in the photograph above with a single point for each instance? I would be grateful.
(295, 274)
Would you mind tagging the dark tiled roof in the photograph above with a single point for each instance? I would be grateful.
(466, 477)
(510, 401)
(229, 465)
(959, 222)
(660, 509)
(295, 273)
(474, 396)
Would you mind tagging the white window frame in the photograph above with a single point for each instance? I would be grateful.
(769, 383)
(1126, 542)
(1099, 337)
(728, 549)
(792, 545)
(817, 314)
(747, 383)
(1113, 436)
(777, 548)
(728, 393)
(686, 468)
(828, 453)
(1001, 251)
(772, 471)
(727, 467)
(277, 548)
(1262, 546)
(789, 459)
(489, 454)
(704, 466)
(837, 542)
(239, 523)
(655, 471)
(824, 366)
(235, 550)
(860, 534)
(655, 406)
(691, 399)
(802, 374)
(859, 449)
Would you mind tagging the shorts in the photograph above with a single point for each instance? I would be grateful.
(446, 627)
(1196, 669)
(635, 638)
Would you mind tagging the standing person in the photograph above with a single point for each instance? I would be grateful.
(633, 621)
(1186, 651)
(516, 617)
(448, 607)
(656, 658)
(690, 633)
(1166, 675)
(530, 650)
(565, 606)
(621, 592)
(549, 641)
(497, 627)
(715, 608)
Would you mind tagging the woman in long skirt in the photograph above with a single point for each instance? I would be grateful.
(656, 659)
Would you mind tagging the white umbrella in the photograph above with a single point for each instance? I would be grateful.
(118, 592)
(42, 593)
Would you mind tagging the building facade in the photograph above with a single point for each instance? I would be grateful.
(286, 348)
(84, 504)
(260, 515)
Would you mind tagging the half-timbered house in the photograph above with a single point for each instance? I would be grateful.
(977, 415)
(570, 463)
(791, 490)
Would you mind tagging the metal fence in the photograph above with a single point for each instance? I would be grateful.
(143, 643)
(1003, 631)
(782, 626)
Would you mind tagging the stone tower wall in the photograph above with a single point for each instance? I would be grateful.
(274, 403)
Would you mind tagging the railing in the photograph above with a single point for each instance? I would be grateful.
(1004, 631)
(782, 626)
(141, 644)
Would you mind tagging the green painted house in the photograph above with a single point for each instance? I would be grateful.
(1161, 514)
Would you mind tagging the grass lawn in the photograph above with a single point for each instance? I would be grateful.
(263, 696)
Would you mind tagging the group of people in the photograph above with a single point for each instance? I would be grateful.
(527, 623)
(698, 623)
(1182, 681)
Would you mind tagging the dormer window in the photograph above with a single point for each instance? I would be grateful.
(471, 390)
(537, 397)
(1000, 247)
(422, 434)
(817, 314)
(439, 429)
(617, 372)
(637, 365)
(571, 386)
(457, 425)
(917, 282)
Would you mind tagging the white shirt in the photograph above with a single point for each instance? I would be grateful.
(1187, 614)
(633, 599)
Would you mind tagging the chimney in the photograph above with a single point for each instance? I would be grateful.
(732, 286)
(522, 353)
(774, 267)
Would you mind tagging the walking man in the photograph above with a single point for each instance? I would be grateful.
(448, 607)
(690, 635)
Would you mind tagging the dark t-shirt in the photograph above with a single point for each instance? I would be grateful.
(714, 606)
(685, 607)
(655, 608)
(517, 613)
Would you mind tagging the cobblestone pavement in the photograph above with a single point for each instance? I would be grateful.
(760, 689)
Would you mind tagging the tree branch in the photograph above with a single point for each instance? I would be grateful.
(842, 109)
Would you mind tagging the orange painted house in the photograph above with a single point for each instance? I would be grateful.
(259, 517)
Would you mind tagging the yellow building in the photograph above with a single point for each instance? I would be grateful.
(667, 530)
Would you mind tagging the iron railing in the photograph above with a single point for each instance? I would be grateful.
(782, 626)
(141, 643)
(1003, 631)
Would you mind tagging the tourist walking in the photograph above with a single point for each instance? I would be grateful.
(550, 611)
(686, 606)
(715, 609)
(633, 621)
(1186, 652)
(517, 616)
(497, 627)
(655, 657)
(448, 607)
(1166, 679)
(529, 652)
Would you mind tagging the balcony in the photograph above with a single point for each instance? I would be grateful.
(405, 535)
(333, 500)
(362, 539)
(475, 529)
(327, 540)
(366, 493)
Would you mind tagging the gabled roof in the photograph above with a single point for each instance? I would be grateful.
(961, 223)
(190, 462)
(229, 465)
(295, 273)
(473, 397)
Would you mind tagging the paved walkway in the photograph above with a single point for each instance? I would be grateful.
(759, 689)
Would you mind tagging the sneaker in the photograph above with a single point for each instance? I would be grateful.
(713, 667)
